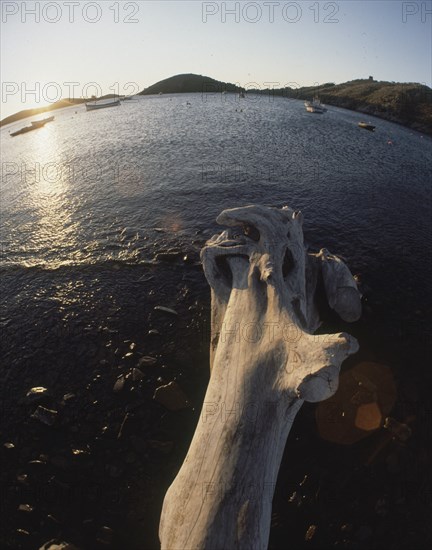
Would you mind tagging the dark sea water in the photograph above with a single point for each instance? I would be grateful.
(88, 201)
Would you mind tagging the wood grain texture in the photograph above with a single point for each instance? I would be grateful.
(265, 361)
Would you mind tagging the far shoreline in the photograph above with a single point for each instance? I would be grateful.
(67, 103)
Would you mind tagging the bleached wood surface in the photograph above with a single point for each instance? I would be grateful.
(265, 361)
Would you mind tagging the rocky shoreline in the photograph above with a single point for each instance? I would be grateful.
(421, 127)
(87, 457)
(90, 441)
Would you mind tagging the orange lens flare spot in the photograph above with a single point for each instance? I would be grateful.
(368, 417)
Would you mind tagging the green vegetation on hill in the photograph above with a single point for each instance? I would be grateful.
(190, 83)
(409, 104)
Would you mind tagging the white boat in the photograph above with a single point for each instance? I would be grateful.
(100, 105)
(315, 106)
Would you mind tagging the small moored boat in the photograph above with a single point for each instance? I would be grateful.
(315, 106)
(34, 125)
(96, 105)
(367, 126)
(39, 123)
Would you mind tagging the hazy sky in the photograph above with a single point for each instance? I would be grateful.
(115, 43)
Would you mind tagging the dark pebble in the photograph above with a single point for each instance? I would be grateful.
(147, 361)
(38, 393)
(167, 310)
(44, 415)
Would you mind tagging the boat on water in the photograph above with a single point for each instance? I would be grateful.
(39, 123)
(34, 125)
(96, 105)
(315, 106)
(242, 95)
(367, 126)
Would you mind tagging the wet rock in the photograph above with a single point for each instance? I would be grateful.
(23, 478)
(36, 394)
(67, 398)
(153, 332)
(166, 310)
(147, 361)
(80, 452)
(25, 508)
(296, 499)
(9, 446)
(136, 374)
(44, 415)
(119, 384)
(171, 396)
(310, 532)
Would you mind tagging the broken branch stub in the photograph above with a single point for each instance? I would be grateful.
(265, 361)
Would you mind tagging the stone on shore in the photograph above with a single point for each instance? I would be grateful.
(171, 396)
(44, 415)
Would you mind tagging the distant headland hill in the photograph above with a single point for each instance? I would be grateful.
(190, 83)
(409, 104)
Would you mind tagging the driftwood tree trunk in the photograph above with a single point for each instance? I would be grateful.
(265, 361)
